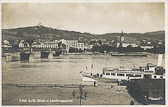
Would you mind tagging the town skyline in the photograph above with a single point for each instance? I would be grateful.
(93, 18)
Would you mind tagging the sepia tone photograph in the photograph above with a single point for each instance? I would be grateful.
(83, 53)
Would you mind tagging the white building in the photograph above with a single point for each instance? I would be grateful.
(23, 44)
(6, 42)
(36, 45)
(147, 47)
(49, 44)
(63, 41)
(126, 44)
(80, 46)
(71, 43)
(88, 46)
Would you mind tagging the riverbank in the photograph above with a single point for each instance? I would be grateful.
(26, 94)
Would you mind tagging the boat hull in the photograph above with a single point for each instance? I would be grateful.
(87, 79)
(99, 79)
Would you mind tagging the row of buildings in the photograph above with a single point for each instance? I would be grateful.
(65, 44)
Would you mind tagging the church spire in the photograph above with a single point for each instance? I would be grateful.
(121, 38)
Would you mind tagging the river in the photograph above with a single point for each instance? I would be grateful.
(65, 69)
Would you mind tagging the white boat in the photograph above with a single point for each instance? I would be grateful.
(126, 74)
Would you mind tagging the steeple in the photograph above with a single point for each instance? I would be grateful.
(122, 33)
(121, 38)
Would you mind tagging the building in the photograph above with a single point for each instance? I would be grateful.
(122, 42)
(5, 42)
(122, 39)
(145, 47)
(63, 41)
(88, 46)
(49, 44)
(126, 44)
(80, 46)
(36, 45)
(46, 44)
(71, 44)
(23, 44)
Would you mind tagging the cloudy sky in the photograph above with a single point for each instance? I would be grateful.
(97, 18)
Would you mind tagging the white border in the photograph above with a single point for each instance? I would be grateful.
(97, 1)
(78, 1)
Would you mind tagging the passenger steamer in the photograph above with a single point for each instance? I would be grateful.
(124, 74)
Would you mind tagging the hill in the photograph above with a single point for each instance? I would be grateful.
(42, 32)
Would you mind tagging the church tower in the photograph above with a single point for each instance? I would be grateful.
(122, 39)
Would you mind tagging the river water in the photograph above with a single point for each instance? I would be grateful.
(65, 69)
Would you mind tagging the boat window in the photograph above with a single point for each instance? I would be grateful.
(107, 73)
(112, 73)
(130, 75)
(137, 76)
(161, 76)
(148, 71)
(154, 76)
(147, 68)
(120, 74)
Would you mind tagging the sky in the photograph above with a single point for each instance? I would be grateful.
(95, 18)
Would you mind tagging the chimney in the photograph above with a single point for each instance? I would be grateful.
(160, 60)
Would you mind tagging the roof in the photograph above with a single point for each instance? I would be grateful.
(122, 70)
(151, 84)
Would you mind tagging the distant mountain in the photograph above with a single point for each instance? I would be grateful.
(36, 32)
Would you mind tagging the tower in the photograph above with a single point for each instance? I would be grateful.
(121, 38)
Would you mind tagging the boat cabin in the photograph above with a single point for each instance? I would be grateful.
(122, 74)
(149, 69)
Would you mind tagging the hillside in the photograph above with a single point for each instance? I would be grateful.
(35, 32)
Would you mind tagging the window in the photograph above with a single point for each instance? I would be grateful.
(112, 73)
(120, 74)
(107, 73)
(161, 76)
(154, 76)
(137, 76)
(129, 75)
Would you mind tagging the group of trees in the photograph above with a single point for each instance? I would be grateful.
(106, 49)
(75, 50)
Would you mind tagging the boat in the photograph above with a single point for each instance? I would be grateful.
(129, 54)
(126, 74)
